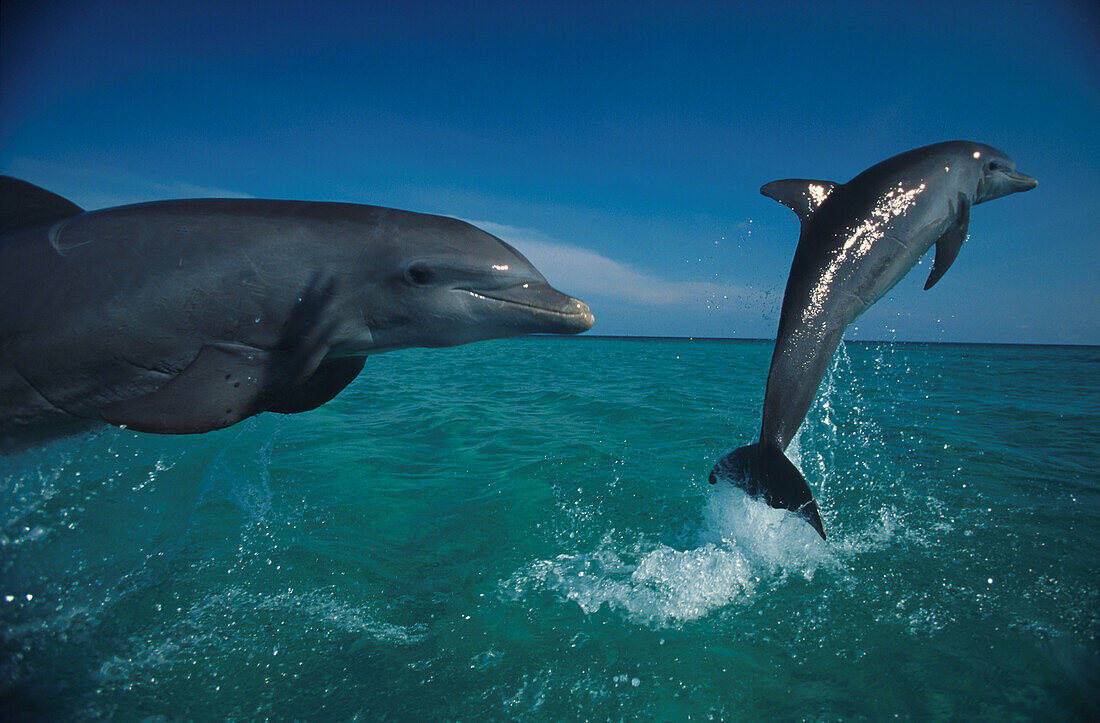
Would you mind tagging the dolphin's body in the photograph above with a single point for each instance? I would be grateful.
(187, 316)
(858, 239)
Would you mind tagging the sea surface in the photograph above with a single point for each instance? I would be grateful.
(523, 529)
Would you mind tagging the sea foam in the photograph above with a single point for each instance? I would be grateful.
(741, 545)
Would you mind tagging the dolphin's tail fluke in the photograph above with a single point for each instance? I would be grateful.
(764, 471)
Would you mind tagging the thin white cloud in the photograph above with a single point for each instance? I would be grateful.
(585, 273)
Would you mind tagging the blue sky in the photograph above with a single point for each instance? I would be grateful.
(621, 146)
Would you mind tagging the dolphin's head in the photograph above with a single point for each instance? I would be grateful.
(997, 174)
(439, 281)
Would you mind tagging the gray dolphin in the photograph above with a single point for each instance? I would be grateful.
(186, 316)
(858, 239)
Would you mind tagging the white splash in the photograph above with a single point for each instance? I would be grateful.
(741, 546)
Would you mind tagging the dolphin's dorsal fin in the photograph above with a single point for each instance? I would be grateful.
(949, 244)
(801, 195)
(24, 204)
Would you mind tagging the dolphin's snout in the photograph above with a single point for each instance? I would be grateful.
(582, 315)
(572, 316)
(999, 182)
(1021, 181)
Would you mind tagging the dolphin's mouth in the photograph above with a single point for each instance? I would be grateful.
(572, 315)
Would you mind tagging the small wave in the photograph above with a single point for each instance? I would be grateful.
(742, 545)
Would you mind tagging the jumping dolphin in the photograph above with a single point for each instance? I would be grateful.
(191, 315)
(858, 239)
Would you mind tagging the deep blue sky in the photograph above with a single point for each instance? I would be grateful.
(620, 145)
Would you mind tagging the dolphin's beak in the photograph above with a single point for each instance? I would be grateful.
(545, 309)
(1016, 182)
(1002, 182)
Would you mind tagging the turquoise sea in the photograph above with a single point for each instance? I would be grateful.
(522, 529)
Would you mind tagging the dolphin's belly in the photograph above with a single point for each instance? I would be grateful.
(862, 271)
(882, 268)
(893, 257)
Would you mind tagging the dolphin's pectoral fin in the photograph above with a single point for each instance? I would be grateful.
(950, 243)
(228, 382)
(764, 471)
(223, 385)
(328, 381)
(801, 195)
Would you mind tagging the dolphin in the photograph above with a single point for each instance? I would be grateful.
(858, 240)
(185, 316)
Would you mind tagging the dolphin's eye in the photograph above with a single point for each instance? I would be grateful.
(995, 166)
(419, 275)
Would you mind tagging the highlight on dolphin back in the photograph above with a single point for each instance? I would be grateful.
(858, 240)
(187, 316)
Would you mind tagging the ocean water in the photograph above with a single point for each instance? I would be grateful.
(523, 529)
